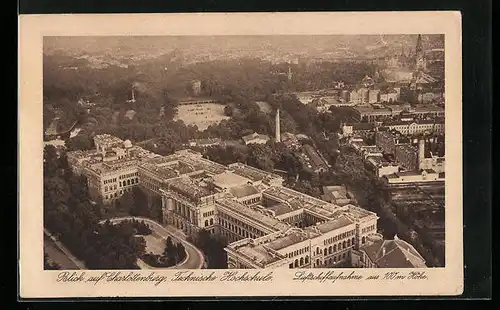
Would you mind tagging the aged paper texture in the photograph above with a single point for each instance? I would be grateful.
(243, 154)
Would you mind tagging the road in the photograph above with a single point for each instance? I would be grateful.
(58, 253)
(195, 258)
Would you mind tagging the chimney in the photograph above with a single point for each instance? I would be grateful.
(421, 153)
(278, 130)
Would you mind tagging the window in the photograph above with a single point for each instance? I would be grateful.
(335, 248)
(343, 244)
(206, 222)
(363, 240)
(211, 221)
(296, 264)
(301, 261)
(307, 259)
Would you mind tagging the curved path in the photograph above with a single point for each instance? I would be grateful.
(195, 258)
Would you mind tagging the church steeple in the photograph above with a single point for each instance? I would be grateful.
(419, 48)
(420, 63)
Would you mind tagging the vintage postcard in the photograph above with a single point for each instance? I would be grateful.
(242, 154)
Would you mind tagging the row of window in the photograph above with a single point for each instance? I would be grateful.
(300, 262)
(251, 201)
(209, 223)
(369, 228)
(335, 248)
(182, 210)
(237, 230)
(332, 260)
(109, 181)
(129, 175)
(298, 252)
(110, 188)
(124, 183)
(111, 196)
(239, 223)
(339, 237)
(115, 195)
(207, 214)
(129, 182)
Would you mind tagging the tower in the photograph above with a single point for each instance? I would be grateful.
(289, 75)
(420, 62)
(278, 133)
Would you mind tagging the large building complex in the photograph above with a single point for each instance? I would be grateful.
(268, 225)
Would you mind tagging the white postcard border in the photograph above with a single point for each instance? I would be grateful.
(36, 283)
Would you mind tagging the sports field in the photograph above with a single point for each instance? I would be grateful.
(201, 115)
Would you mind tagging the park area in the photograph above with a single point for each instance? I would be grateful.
(201, 115)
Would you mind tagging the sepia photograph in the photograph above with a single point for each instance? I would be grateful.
(244, 152)
(185, 152)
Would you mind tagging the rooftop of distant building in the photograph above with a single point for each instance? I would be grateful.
(252, 173)
(395, 253)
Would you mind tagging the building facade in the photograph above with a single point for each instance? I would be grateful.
(407, 156)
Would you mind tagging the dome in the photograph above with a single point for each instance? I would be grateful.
(127, 143)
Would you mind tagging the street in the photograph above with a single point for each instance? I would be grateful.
(195, 258)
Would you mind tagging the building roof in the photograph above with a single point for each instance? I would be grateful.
(334, 224)
(108, 139)
(398, 75)
(424, 78)
(189, 188)
(294, 237)
(334, 192)
(243, 191)
(281, 208)
(363, 126)
(130, 114)
(427, 108)
(254, 136)
(368, 109)
(378, 162)
(259, 254)
(314, 156)
(229, 179)
(252, 173)
(253, 215)
(395, 253)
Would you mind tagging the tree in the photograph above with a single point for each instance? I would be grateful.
(228, 110)
(126, 203)
(82, 141)
(170, 252)
(180, 252)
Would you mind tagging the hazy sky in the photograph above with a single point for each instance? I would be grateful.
(227, 43)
